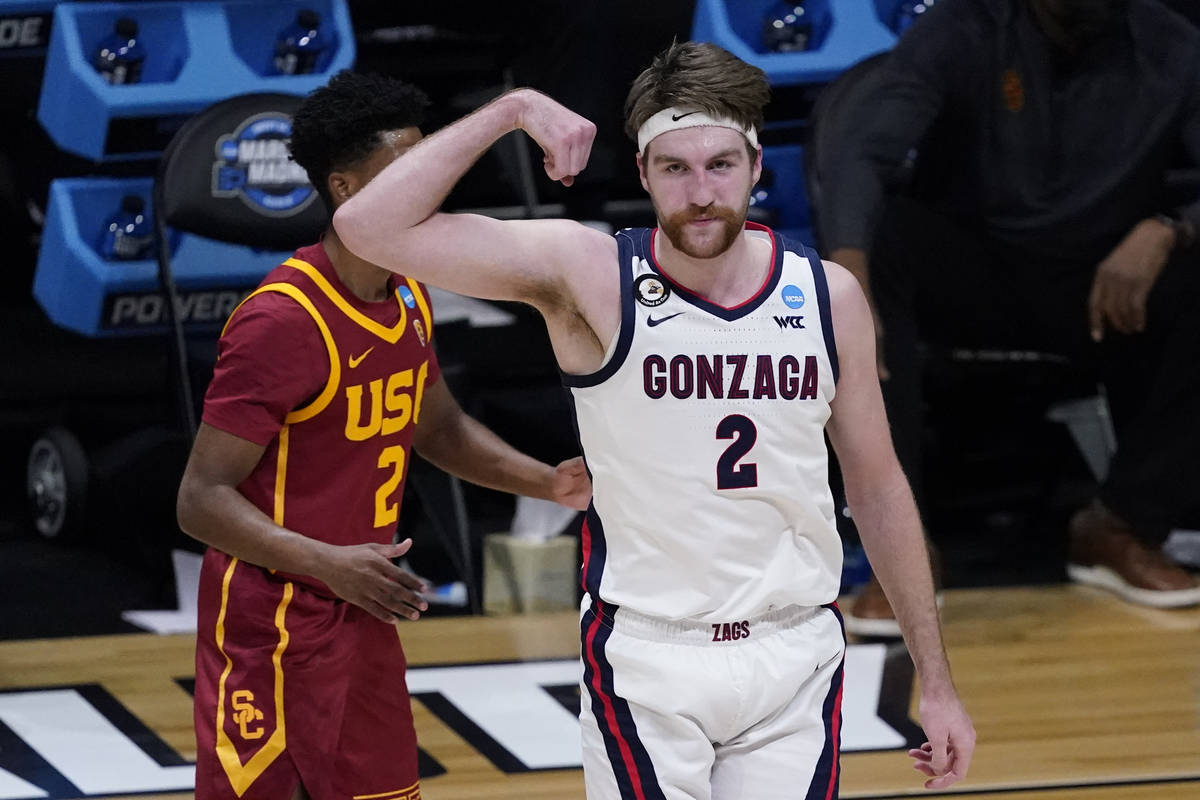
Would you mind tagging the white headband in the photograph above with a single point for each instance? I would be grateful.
(674, 119)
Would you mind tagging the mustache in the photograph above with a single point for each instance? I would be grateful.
(710, 211)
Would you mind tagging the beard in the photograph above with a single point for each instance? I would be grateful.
(730, 224)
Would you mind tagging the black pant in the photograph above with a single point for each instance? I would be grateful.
(937, 283)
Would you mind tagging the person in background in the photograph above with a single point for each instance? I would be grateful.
(1052, 124)
(326, 379)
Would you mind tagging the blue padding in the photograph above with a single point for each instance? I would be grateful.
(198, 53)
(855, 31)
(10, 7)
(787, 193)
(80, 290)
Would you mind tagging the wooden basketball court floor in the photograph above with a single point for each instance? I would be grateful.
(1074, 695)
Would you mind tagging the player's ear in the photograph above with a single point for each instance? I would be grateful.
(342, 187)
(641, 167)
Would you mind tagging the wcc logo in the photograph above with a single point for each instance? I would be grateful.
(253, 164)
(792, 298)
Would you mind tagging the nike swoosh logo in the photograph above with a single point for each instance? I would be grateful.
(677, 117)
(354, 362)
(651, 321)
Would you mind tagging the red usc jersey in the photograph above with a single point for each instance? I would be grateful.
(332, 386)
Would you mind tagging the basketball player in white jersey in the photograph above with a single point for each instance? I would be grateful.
(706, 359)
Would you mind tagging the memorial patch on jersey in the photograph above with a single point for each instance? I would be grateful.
(650, 290)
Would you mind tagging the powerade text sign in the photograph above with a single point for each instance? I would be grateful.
(24, 34)
(131, 310)
(253, 164)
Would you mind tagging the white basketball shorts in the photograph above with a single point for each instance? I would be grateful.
(747, 709)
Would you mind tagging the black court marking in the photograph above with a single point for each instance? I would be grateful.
(475, 736)
(27, 764)
(895, 696)
(566, 695)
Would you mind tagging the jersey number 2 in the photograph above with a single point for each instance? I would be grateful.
(387, 510)
(730, 474)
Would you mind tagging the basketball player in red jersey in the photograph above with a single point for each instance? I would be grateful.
(326, 378)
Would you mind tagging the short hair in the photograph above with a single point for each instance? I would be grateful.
(339, 124)
(698, 75)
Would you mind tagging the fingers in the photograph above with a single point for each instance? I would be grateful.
(572, 466)
(1096, 309)
(403, 601)
(1137, 310)
(397, 591)
(942, 781)
(1119, 300)
(569, 156)
(396, 550)
(1121, 307)
(952, 772)
(939, 758)
(377, 611)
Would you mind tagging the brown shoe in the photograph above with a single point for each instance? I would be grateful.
(871, 615)
(1105, 552)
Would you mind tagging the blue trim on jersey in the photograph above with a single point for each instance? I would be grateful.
(625, 253)
(595, 550)
(818, 272)
(598, 625)
(646, 251)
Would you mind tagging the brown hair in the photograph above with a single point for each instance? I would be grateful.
(698, 75)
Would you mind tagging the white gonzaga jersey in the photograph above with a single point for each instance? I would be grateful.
(704, 436)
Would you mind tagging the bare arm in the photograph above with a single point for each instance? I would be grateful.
(886, 516)
(393, 221)
(457, 443)
(211, 509)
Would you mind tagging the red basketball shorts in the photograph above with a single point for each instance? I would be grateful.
(292, 687)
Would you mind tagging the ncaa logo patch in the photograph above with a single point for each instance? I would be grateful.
(407, 296)
(792, 296)
(650, 290)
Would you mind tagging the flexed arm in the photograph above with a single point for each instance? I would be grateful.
(393, 220)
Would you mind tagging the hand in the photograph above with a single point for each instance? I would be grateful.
(1124, 279)
(564, 136)
(571, 486)
(364, 574)
(947, 755)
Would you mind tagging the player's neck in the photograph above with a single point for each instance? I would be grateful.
(729, 279)
(365, 280)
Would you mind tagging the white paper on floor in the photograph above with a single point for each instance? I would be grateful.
(187, 582)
